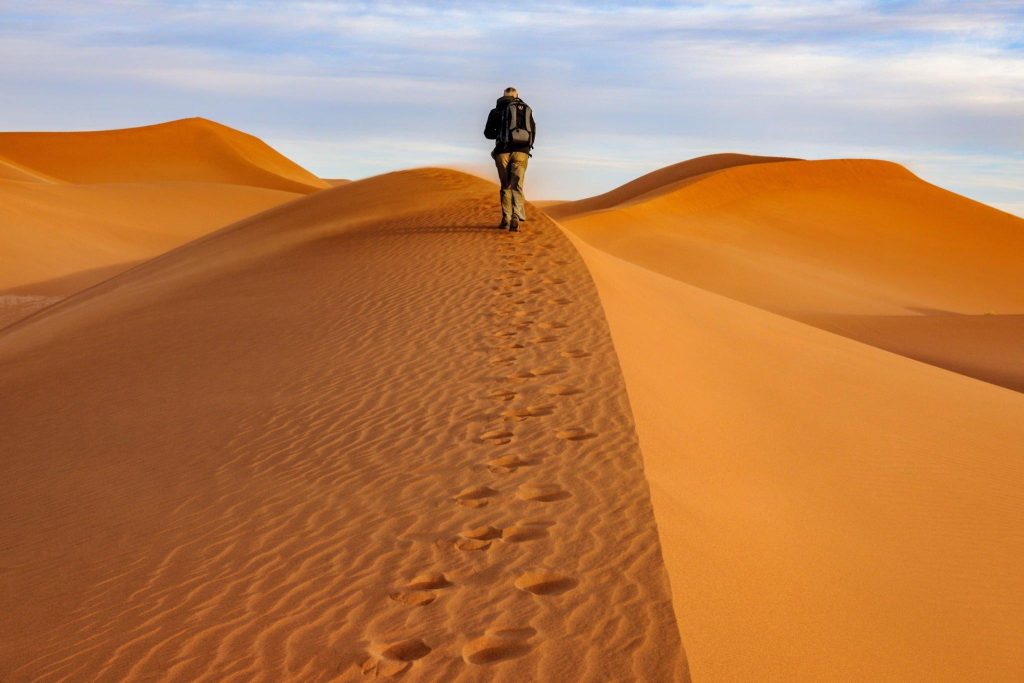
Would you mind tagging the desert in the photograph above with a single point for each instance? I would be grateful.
(293, 429)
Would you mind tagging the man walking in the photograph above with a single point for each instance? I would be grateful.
(510, 124)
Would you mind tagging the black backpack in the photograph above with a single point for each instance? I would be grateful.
(516, 129)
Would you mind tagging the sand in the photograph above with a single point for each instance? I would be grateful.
(338, 440)
(828, 510)
(745, 418)
(861, 247)
(77, 208)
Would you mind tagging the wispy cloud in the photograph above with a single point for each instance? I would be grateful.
(353, 88)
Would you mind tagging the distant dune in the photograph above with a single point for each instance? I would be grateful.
(76, 208)
(837, 244)
(745, 418)
(828, 510)
(192, 150)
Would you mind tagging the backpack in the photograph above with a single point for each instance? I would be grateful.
(516, 129)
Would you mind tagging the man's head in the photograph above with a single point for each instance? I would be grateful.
(511, 92)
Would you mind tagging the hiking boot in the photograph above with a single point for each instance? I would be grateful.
(503, 225)
(513, 226)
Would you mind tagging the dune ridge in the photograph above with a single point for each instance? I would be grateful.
(192, 150)
(370, 442)
(843, 244)
(78, 207)
(660, 180)
(827, 510)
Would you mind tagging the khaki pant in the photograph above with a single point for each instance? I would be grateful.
(511, 173)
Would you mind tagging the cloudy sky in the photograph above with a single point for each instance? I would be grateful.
(350, 89)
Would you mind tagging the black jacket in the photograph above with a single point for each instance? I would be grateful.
(494, 123)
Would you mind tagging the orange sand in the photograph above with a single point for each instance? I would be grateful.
(828, 510)
(343, 438)
(349, 437)
(76, 208)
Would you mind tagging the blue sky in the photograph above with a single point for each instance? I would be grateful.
(350, 89)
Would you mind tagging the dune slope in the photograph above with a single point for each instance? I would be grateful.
(76, 208)
(194, 150)
(827, 510)
(657, 181)
(346, 438)
(848, 245)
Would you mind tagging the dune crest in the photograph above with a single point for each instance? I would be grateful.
(658, 181)
(192, 150)
(373, 439)
(841, 244)
(78, 207)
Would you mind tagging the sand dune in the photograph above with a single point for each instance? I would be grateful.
(346, 438)
(827, 510)
(660, 180)
(826, 242)
(349, 437)
(78, 207)
(193, 150)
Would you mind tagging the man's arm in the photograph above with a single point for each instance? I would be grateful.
(491, 127)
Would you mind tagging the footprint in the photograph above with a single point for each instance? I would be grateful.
(469, 544)
(528, 411)
(475, 496)
(552, 326)
(502, 360)
(544, 340)
(526, 531)
(561, 390)
(547, 370)
(508, 463)
(501, 394)
(395, 659)
(553, 280)
(506, 333)
(575, 353)
(545, 493)
(477, 539)
(429, 581)
(574, 434)
(498, 644)
(498, 437)
(545, 583)
(561, 301)
(521, 376)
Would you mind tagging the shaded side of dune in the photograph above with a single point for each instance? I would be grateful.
(861, 247)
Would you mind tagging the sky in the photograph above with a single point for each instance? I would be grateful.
(352, 89)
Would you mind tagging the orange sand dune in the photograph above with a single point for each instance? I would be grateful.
(194, 150)
(657, 181)
(347, 438)
(814, 239)
(827, 510)
(78, 207)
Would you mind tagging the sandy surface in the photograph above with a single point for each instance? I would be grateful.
(344, 438)
(358, 432)
(861, 247)
(77, 208)
(828, 510)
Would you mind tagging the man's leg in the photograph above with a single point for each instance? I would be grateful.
(517, 176)
(505, 194)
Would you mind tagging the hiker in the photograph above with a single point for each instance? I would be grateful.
(510, 124)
